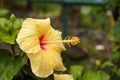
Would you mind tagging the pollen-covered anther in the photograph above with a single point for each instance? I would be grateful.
(75, 40)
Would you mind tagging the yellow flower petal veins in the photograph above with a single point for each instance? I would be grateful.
(48, 61)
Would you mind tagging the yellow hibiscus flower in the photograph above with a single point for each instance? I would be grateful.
(43, 46)
(63, 77)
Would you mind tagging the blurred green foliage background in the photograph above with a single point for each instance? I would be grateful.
(97, 57)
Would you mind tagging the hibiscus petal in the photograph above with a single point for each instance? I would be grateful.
(45, 62)
(55, 35)
(63, 77)
(32, 29)
(42, 25)
(28, 38)
(42, 65)
(56, 57)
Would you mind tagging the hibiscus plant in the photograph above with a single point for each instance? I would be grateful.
(33, 44)
(30, 49)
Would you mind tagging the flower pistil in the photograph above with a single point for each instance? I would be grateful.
(73, 41)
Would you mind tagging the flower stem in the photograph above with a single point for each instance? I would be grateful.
(13, 49)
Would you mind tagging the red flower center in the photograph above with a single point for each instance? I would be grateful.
(42, 43)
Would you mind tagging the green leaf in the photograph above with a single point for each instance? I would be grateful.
(12, 17)
(103, 75)
(116, 56)
(95, 75)
(9, 29)
(4, 12)
(3, 24)
(117, 31)
(107, 63)
(9, 65)
(118, 72)
(76, 71)
(17, 24)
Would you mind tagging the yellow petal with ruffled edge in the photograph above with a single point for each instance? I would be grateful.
(55, 35)
(41, 64)
(63, 77)
(32, 29)
(44, 63)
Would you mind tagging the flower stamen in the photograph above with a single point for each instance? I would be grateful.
(73, 41)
